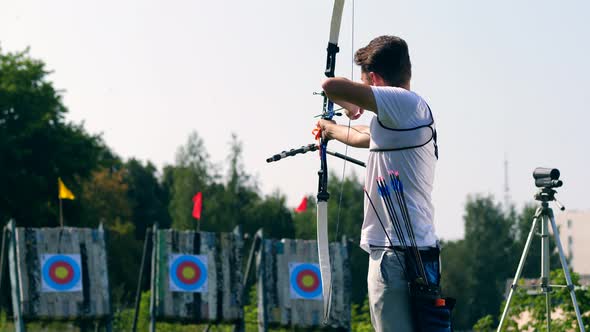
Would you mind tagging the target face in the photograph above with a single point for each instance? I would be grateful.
(188, 273)
(305, 281)
(61, 273)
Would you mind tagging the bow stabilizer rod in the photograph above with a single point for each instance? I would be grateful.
(312, 147)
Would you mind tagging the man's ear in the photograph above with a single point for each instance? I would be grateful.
(377, 79)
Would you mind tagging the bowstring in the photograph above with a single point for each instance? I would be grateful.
(348, 130)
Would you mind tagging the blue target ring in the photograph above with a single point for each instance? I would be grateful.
(300, 278)
(68, 275)
(194, 265)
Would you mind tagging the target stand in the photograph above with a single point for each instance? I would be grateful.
(196, 277)
(58, 274)
(290, 285)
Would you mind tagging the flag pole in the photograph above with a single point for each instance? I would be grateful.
(61, 215)
(199, 225)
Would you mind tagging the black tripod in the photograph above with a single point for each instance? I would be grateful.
(544, 215)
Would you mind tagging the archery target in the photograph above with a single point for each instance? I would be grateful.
(61, 273)
(305, 281)
(188, 273)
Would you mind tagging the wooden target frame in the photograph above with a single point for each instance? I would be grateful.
(57, 274)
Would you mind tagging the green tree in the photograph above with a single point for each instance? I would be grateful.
(484, 324)
(147, 197)
(305, 221)
(104, 199)
(192, 173)
(489, 258)
(226, 202)
(560, 302)
(271, 214)
(345, 211)
(238, 180)
(234, 200)
(477, 268)
(37, 144)
(454, 278)
(361, 317)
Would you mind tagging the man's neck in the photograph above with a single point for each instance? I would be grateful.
(403, 86)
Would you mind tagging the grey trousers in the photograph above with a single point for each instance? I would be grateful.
(389, 297)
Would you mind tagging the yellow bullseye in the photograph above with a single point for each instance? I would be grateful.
(188, 273)
(307, 281)
(61, 272)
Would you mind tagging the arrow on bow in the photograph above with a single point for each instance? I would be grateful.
(323, 195)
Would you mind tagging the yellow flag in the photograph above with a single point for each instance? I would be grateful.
(64, 192)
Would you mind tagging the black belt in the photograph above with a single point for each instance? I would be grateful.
(430, 253)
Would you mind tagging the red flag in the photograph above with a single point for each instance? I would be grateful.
(302, 206)
(198, 200)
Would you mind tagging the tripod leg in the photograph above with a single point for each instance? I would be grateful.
(545, 269)
(519, 269)
(547, 292)
(566, 272)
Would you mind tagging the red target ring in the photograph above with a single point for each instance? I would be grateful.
(61, 272)
(188, 272)
(308, 281)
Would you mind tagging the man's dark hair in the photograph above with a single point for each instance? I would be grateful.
(387, 56)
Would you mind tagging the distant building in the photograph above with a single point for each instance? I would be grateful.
(574, 231)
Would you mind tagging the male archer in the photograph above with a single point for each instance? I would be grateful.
(401, 137)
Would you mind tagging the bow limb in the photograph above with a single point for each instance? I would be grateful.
(324, 255)
(323, 195)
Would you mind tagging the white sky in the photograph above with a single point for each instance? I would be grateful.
(504, 78)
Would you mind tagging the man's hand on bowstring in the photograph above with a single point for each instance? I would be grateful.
(357, 136)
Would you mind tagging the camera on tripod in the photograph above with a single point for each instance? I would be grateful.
(547, 177)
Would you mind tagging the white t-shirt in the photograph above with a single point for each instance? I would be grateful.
(404, 122)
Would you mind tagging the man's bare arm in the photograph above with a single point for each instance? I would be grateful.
(349, 94)
(356, 136)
